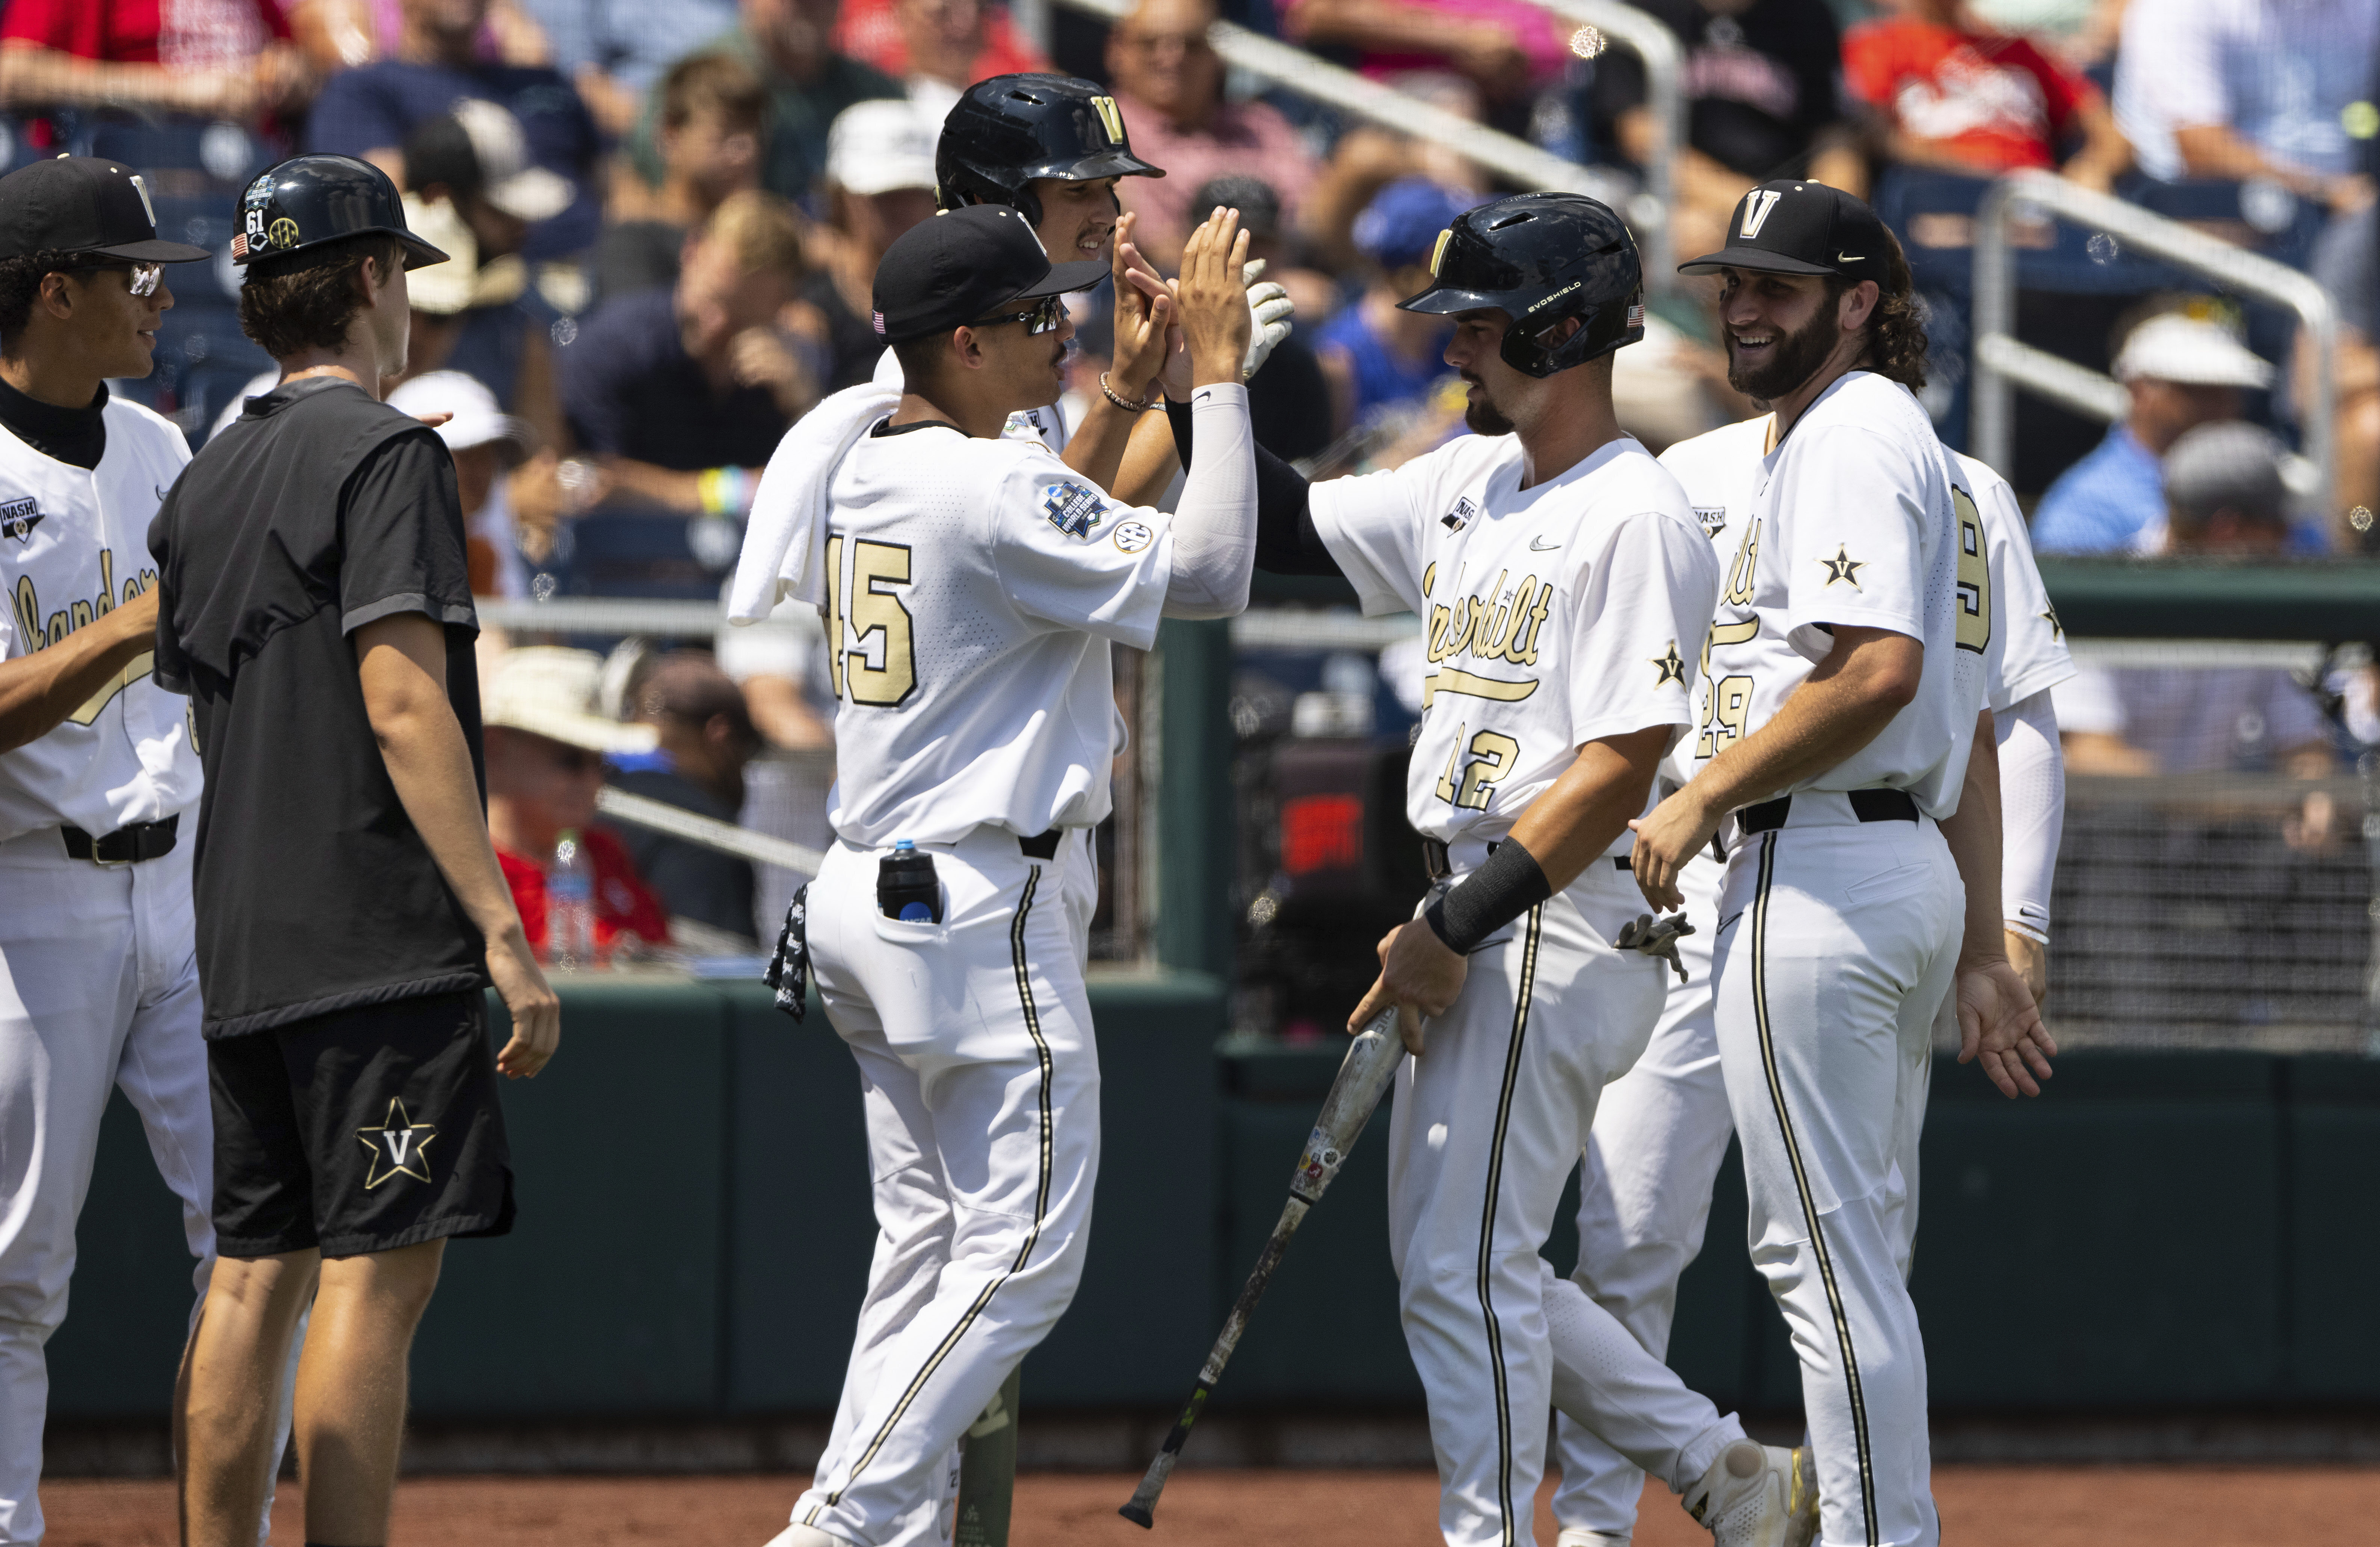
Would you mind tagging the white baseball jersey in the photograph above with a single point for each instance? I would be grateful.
(1046, 424)
(74, 544)
(973, 587)
(2027, 653)
(1860, 519)
(1556, 614)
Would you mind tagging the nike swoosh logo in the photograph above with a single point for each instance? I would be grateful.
(1727, 923)
(1536, 546)
(1847, 257)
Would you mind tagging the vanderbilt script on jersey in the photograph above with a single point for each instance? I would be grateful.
(1554, 615)
(74, 546)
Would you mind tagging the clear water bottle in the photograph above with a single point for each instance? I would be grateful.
(570, 904)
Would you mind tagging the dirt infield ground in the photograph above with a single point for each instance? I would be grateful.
(1982, 1506)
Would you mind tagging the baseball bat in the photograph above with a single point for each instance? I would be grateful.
(988, 1471)
(1363, 1078)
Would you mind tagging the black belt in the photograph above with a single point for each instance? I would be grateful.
(127, 845)
(1868, 806)
(1435, 860)
(1042, 845)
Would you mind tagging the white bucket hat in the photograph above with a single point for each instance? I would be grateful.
(550, 692)
(2190, 351)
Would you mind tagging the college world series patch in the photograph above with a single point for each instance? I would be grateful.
(1073, 509)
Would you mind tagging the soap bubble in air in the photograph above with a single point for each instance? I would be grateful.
(1588, 41)
(2102, 247)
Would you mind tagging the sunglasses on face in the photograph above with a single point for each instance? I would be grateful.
(1042, 318)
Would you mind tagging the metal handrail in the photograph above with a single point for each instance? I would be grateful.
(1270, 60)
(1657, 47)
(2002, 364)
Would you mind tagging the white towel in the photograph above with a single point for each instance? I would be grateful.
(784, 541)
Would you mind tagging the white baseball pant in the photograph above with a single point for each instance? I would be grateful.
(981, 1084)
(1837, 944)
(99, 988)
(1487, 1124)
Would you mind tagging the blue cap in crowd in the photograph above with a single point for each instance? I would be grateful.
(1402, 222)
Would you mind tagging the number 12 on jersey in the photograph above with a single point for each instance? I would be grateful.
(1492, 757)
(868, 624)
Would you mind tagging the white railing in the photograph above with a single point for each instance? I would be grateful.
(2002, 364)
(1657, 47)
(1506, 155)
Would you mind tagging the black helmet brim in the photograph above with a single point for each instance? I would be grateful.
(155, 251)
(1064, 279)
(1445, 300)
(1106, 164)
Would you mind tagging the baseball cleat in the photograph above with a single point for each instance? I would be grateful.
(1801, 1502)
(1746, 1497)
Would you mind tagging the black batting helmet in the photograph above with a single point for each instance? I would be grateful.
(308, 200)
(1012, 128)
(1542, 257)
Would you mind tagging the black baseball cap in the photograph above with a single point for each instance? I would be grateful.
(1787, 227)
(964, 264)
(84, 204)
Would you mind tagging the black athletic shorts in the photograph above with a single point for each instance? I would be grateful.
(364, 1130)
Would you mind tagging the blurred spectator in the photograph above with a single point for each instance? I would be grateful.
(2344, 262)
(940, 47)
(2082, 33)
(1375, 356)
(706, 737)
(546, 745)
(230, 59)
(1949, 94)
(1759, 79)
(342, 34)
(2241, 89)
(370, 111)
(1288, 400)
(1506, 48)
(713, 115)
(487, 444)
(786, 44)
(879, 182)
(614, 54)
(1170, 83)
(2224, 483)
(681, 394)
(2180, 372)
(471, 191)
(1366, 160)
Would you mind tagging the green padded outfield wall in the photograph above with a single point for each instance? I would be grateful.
(2180, 1231)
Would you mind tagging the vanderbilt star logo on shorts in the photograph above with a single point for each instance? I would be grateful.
(1843, 568)
(397, 1145)
(17, 519)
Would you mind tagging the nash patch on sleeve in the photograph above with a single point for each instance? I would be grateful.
(1073, 509)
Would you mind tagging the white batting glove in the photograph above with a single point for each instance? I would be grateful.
(1271, 309)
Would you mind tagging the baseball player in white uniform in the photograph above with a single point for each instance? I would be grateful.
(98, 984)
(1563, 585)
(1053, 147)
(1662, 1129)
(971, 587)
(1846, 669)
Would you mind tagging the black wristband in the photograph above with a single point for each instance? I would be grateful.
(1509, 885)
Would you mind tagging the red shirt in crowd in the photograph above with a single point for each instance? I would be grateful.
(624, 904)
(869, 31)
(187, 34)
(1997, 100)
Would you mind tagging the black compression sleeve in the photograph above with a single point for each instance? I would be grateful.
(1286, 540)
(1509, 885)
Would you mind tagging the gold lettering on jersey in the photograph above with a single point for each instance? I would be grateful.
(1494, 626)
(1446, 678)
(40, 630)
(1522, 650)
(1974, 593)
(1740, 572)
(1727, 701)
(137, 667)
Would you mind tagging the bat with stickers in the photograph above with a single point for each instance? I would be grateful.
(1363, 1078)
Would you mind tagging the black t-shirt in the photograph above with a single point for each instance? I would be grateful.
(317, 511)
(631, 389)
(1758, 86)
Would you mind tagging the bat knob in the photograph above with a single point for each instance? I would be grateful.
(1139, 1517)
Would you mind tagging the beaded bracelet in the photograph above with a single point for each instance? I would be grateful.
(1128, 404)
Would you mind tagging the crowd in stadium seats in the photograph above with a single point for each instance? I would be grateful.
(664, 219)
